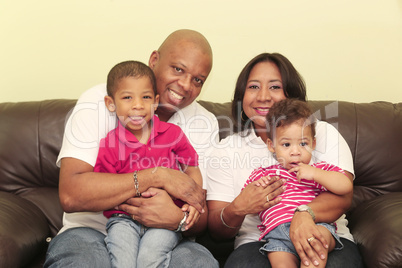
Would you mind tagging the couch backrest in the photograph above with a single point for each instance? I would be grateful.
(30, 139)
(31, 135)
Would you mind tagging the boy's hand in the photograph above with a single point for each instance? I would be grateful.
(304, 171)
(193, 215)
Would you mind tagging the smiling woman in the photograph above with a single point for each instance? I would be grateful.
(266, 80)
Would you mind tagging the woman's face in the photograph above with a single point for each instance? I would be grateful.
(263, 89)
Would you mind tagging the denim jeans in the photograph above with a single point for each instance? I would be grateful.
(248, 255)
(131, 244)
(85, 247)
(278, 239)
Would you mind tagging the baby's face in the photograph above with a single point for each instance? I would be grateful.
(293, 144)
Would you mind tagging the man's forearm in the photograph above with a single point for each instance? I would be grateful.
(81, 189)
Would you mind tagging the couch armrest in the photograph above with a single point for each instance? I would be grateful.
(23, 230)
(376, 228)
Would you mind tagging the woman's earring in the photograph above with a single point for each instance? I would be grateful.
(241, 115)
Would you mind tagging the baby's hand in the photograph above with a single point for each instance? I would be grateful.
(193, 215)
(303, 171)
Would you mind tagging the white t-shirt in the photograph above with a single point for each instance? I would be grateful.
(230, 165)
(90, 121)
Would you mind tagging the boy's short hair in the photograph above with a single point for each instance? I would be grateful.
(289, 111)
(124, 69)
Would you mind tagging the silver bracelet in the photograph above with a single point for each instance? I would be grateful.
(224, 223)
(136, 184)
(182, 224)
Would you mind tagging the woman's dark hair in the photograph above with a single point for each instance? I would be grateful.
(292, 82)
(124, 69)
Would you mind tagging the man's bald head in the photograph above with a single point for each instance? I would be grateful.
(186, 36)
(181, 65)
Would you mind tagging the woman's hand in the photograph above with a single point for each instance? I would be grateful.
(155, 208)
(301, 229)
(259, 195)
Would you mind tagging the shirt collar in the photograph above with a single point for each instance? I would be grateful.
(125, 136)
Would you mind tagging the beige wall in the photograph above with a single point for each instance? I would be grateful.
(345, 50)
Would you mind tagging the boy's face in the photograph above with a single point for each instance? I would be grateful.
(134, 102)
(293, 144)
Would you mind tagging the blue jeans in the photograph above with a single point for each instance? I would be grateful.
(248, 255)
(131, 244)
(85, 247)
(278, 239)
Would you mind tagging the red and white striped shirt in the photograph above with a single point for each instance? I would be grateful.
(296, 194)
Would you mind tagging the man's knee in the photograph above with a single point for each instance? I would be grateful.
(78, 247)
(192, 255)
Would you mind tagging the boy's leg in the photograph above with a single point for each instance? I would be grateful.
(122, 241)
(78, 247)
(156, 245)
(281, 259)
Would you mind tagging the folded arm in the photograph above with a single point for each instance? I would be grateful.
(81, 189)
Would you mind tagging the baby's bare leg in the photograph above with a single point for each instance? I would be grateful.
(281, 259)
(331, 245)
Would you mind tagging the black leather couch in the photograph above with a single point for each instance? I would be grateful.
(30, 212)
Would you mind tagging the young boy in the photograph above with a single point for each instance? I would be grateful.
(291, 139)
(142, 141)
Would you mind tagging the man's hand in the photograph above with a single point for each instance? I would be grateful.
(155, 208)
(301, 229)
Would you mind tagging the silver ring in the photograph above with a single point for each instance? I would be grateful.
(132, 216)
(311, 239)
(267, 198)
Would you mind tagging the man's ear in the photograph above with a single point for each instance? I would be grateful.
(270, 145)
(156, 102)
(110, 104)
(153, 59)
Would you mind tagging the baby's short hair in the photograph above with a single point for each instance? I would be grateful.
(289, 111)
(124, 69)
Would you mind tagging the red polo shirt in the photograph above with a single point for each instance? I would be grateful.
(121, 152)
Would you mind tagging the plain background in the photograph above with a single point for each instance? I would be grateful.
(345, 50)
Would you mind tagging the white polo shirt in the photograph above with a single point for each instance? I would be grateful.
(90, 121)
(230, 165)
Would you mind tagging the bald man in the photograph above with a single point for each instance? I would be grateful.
(181, 65)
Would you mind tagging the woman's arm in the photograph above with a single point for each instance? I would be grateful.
(225, 218)
(327, 207)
